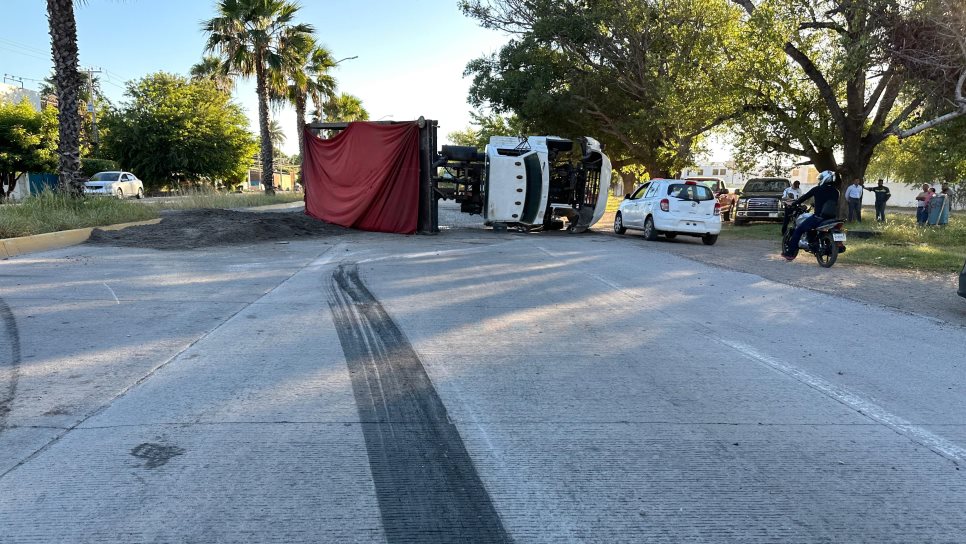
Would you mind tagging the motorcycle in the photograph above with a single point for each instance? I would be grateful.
(825, 241)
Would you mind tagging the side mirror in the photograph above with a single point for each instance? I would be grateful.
(627, 196)
(737, 192)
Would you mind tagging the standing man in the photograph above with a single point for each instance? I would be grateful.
(922, 199)
(853, 195)
(793, 192)
(882, 195)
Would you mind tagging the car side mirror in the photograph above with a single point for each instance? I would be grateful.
(737, 192)
(627, 196)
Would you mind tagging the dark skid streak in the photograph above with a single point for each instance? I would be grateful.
(9, 362)
(427, 487)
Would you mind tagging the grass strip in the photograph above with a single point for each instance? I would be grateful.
(51, 212)
(897, 243)
(207, 199)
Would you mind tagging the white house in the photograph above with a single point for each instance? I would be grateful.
(15, 94)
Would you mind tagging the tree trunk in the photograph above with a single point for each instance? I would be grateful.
(268, 168)
(630, 182)
(63, 45)
(10, 180)
(300, 126)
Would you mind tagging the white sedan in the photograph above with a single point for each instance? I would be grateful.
(671, 207)
(116, 184)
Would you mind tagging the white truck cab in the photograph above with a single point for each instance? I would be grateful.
(538, 180)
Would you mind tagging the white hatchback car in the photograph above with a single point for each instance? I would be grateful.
(118, 184)
(671, 207)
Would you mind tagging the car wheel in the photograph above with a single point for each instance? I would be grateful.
(650, 232)
(619, 224)
(709, 239)
(670, 235)
(740, 222)
(140, 193)
(120, 193)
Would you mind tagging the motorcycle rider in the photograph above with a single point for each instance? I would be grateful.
(826, 197)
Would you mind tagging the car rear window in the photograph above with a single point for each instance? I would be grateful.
(766, 186)
(698, 193)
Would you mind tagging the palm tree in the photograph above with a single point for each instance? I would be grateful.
(277, 135)
(307, 79)
(258, 37)
(63, 46)
(213, 69)
(345, 108)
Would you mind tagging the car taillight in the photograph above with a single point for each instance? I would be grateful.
(717, 208)
(665, 205)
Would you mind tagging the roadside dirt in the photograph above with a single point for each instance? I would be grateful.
(204, 228)
(927, 294)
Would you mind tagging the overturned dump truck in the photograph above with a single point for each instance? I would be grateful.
(527, 183)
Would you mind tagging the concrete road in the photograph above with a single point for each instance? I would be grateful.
(466, 387)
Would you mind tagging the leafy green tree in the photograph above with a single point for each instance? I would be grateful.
(647, 78)
(28, 142)
(173, 130)
(485, 127)
(63, 44)
(831, 80)
(260, 38)
(935, 156)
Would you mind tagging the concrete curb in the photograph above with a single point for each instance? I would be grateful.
(13, 247)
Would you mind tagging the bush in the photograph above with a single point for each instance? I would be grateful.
(89, 167)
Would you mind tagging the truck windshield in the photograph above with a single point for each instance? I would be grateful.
(698, 193)
(766, 186)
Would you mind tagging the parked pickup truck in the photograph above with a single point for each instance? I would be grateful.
(726, 200)
(760, 200)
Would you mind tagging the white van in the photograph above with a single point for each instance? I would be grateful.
(671, 207)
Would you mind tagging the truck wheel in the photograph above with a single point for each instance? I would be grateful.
(740, 222)
(650, 232)
(709, 239)
(619, 224)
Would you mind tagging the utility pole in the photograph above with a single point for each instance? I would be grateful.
(90, 105)
(14, 78)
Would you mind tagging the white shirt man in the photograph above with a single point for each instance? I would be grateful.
(793, 192)
(854, 191)
(853, 196)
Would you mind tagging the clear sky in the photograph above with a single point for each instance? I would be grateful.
(411, 53)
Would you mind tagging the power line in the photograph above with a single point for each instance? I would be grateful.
(24, 46)
(24, 53)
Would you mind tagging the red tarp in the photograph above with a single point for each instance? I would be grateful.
(366, 177)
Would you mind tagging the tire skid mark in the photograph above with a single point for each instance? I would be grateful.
(427, 487)
(9, 363)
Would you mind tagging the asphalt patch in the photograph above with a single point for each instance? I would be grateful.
(156, 455)
(426, 484)
(190, 229)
